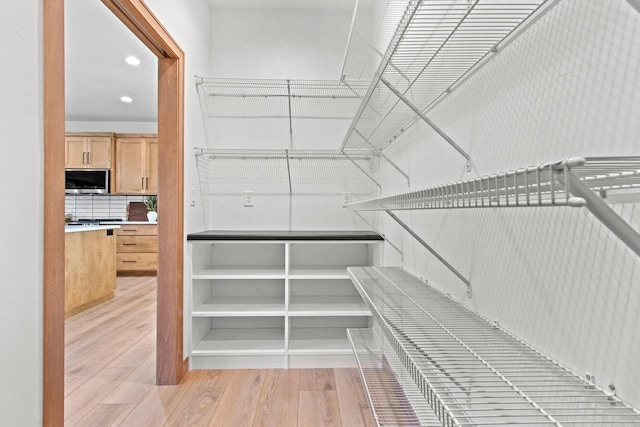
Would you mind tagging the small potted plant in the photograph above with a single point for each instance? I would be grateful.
(151, 202)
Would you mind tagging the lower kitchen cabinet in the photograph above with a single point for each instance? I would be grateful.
(137, 249)
(276, 299)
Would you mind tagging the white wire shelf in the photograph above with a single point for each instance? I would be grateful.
(571, 182)
(393, 402)
(433, 47)
(470, 371)
(293, 114)
(542, 185)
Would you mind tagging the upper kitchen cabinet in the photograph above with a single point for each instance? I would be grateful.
(88, 150)
(136, 164)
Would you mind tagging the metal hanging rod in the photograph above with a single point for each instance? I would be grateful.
(433, 47)
(295, 111)
(284, 154)
(276, 95)
(468, 370)
(572, 182)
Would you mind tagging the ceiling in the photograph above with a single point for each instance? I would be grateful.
(96, 43)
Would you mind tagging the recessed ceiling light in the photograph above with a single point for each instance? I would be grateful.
(132, 60)
(126, 99)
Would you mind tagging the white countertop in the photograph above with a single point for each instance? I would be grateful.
(77, 228)
(128, 222)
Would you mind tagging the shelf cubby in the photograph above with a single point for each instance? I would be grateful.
(238, 298)
(318, 260)
(254, 260)
(322, 335)
(235, 336)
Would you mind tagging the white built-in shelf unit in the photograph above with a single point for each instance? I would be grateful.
(276, 299)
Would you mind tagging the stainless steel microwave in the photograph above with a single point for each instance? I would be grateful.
(86, 181)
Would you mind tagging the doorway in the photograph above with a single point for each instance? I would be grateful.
(170, 365)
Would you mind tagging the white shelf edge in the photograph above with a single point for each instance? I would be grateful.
(238, 276)
(237, 352)
(352, 313)
(236, 313)
(308, 352)
(294, 276)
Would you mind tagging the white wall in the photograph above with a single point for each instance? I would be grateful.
(117, 127)
(294, 44)
(278, 44)
(555, 277)
(21, 166)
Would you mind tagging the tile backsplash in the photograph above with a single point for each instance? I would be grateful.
(99, 206)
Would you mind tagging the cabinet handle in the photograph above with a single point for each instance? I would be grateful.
(142, 179)
(147, 183)
(129, 244)
(83, 162)
(129, 261)
(130, 229)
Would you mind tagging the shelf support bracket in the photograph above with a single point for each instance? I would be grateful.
(381, 55)
(429, 122)
(290, 121)
(286, 154)
(433, 252)
(396, 167)
(344, 82)
(604, 213)
(362, 170)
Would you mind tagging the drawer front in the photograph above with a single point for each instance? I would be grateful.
(137, 262)
(137, 244)
(138, 230)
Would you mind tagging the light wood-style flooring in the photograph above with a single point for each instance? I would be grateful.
(110, 376)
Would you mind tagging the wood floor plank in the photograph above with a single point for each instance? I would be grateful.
(93, 362)
(137, 353)
(135, 387)
(156, 407)
(319, 409)
(82, 401)
(278, 404)
(354, 408)
(103, 415)
(239, 403)
(200, 401)
(317, 380)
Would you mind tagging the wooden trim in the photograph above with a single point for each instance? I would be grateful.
(137, 16)
(170, 226)
(54, 241)
(141, 21)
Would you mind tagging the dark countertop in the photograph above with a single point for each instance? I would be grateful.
(240, 235)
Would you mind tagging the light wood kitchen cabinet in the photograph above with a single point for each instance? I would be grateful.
(88, 150)
(136, 164)
(137, 249)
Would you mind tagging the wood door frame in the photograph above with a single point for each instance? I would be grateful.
(170, 366)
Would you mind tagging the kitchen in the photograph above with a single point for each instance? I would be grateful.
(111, 156)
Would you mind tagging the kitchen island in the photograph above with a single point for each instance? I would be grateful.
(90, 267)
